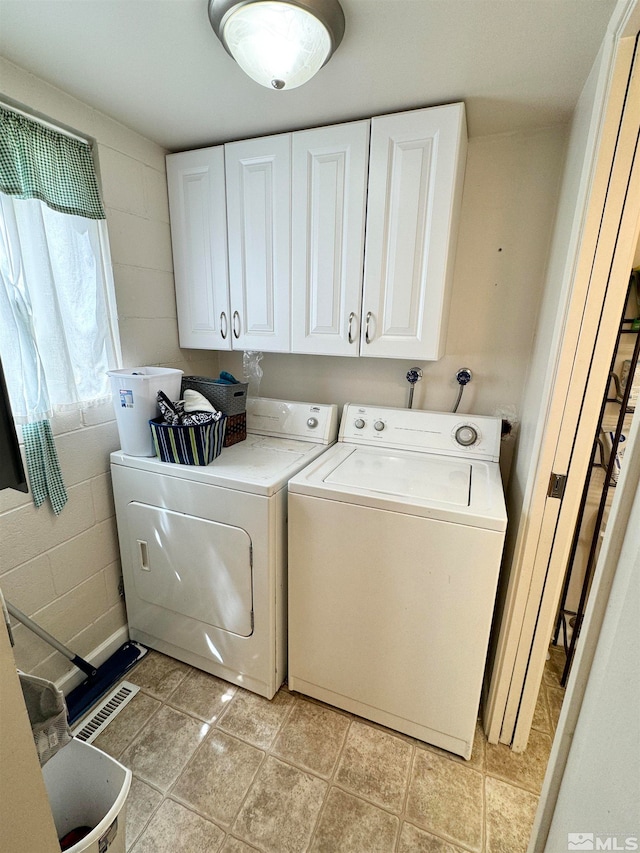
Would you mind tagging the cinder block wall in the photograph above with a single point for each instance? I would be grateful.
(64, 572)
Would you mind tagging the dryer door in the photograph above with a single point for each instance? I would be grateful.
(192, 566)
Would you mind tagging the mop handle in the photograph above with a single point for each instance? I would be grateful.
(76, 660)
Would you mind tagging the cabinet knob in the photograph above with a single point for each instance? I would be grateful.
(236, 325)
(224, 326)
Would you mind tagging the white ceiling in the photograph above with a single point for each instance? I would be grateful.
(156, 65)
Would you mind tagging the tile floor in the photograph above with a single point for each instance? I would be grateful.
(217, 769)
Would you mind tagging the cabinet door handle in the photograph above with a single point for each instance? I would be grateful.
(349, 335)
(366, 328)
(236, 328)
(224, 326)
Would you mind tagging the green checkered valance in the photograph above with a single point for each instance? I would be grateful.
(37, 162)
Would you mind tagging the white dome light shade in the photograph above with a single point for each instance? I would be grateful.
(278, 43)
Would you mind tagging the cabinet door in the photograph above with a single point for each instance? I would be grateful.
(415, 186)
(199, 238)
(258, 218)
(329, 190)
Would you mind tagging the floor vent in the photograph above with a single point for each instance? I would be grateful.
(89, 729)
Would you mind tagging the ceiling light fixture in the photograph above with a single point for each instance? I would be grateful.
(279, 43)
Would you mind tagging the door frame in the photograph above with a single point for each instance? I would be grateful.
(600, 628)
(603, 254)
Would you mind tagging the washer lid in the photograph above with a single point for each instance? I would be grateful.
(462, 491)
(426, 478)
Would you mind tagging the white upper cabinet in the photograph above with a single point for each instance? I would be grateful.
(258, 218)
(328, 204)
(197, 205)
(416, 171)
(304, 274)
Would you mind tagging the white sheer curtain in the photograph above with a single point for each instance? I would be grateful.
(58, 333)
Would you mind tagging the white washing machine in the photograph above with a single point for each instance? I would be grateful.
(204, 548)
(395, 541)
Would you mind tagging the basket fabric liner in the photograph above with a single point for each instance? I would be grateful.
(199, 444)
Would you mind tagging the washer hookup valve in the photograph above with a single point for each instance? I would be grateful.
(414, 375)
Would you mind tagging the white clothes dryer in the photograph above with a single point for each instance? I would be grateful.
(204, 548)
(395, 541)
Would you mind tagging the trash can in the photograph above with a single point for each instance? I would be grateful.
(87, 793)
(134, 391)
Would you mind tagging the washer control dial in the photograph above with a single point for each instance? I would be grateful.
(466, 435)
(312, 423)
(379, 426)
(359, 423)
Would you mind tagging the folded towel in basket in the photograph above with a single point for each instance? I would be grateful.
(194, 401)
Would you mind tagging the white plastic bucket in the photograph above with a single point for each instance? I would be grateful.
(87, 787)
(134, 391)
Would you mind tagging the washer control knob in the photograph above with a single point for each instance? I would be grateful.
(466, 435)
(359, 423)
(312, 423)
(378, 426)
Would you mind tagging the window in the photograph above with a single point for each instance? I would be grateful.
(57, 309)
(57, 336)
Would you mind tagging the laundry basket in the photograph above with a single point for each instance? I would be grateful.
(231, 400)
(87, 793)
(236, 429)
(198, 444)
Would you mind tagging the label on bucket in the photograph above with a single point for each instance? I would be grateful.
(104, 842)
(126, 399)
